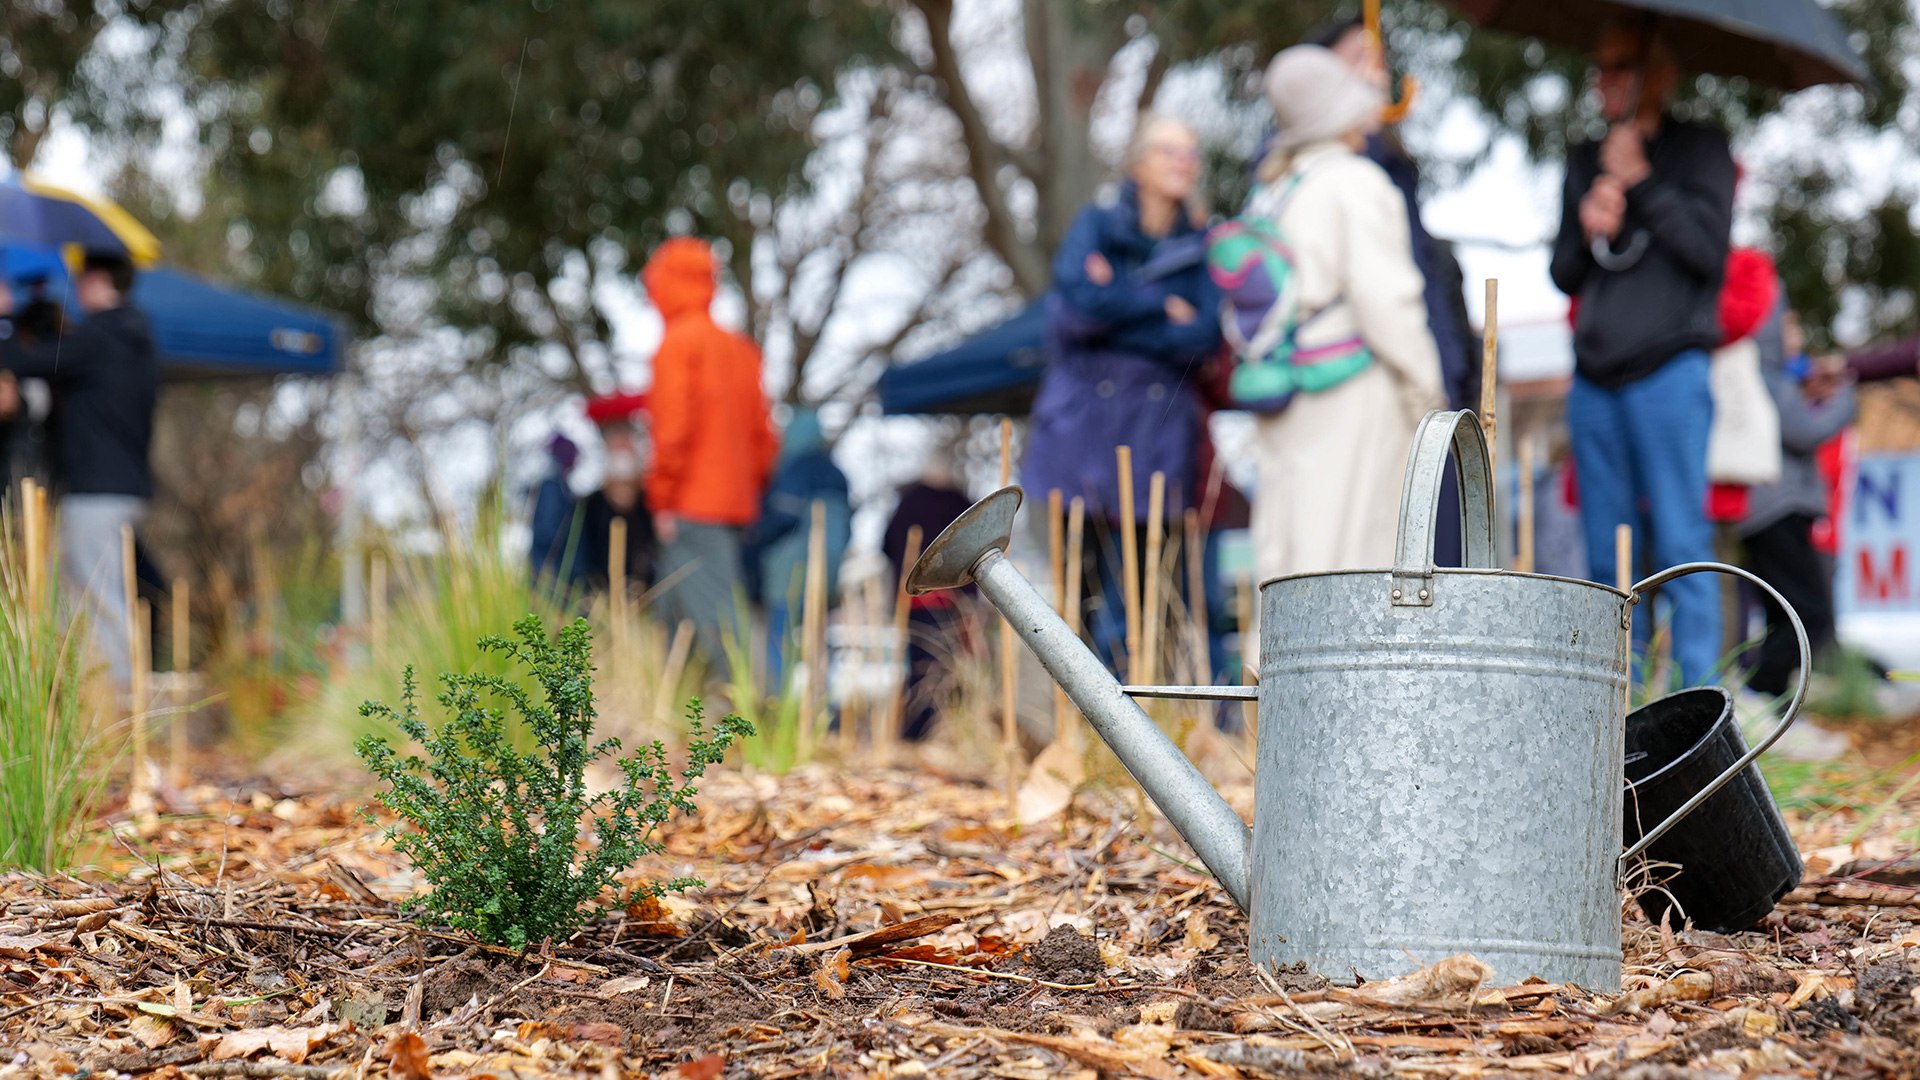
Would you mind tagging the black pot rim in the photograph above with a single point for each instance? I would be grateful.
(1699, 746)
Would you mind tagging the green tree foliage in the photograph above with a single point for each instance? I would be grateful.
(514, 152)
(498, 145)
(1810, 206)
(45, 49)
(496, 831)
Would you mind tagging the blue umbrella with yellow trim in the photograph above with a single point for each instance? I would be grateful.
(36, 213)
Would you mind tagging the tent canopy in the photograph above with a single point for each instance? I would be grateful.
(200, 328)
(995, 371)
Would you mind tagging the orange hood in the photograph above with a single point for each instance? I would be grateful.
(679, 277)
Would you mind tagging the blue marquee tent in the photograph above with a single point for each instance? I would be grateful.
(203, 328)
(200, 328)
(995, 371)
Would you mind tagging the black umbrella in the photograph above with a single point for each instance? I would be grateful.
(1790, 44)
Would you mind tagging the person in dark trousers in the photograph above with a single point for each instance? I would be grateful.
(933, 632)
(1642, 245)
(105, 379)
(1778, 528)
(554, 552)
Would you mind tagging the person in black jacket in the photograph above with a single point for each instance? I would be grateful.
(1642, 247)
(105, 378)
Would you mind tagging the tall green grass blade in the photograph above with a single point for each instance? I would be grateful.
(53, 761)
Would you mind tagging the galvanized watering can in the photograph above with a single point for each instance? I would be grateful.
(1441, 750)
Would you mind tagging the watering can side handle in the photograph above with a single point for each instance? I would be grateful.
(1786, 721)
(1440, 435)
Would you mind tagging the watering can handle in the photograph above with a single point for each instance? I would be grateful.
(1793, 706)
(1442, 434)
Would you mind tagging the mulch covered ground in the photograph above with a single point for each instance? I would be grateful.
(878, 924)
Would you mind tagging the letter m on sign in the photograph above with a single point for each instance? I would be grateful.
(1887, 582)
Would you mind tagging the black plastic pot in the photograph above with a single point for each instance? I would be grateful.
(1734, 856)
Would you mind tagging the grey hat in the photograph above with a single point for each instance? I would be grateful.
(1316, 96)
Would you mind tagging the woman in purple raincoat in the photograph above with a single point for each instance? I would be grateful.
(1132, 316)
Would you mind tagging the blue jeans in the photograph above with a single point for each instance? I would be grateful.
(1641, 453)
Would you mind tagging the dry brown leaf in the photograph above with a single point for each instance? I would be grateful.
(22, 946)
(1456, 977)
(601, 1032)
(705, 1068)
(883, 878)
(293, 1044)
(1686, 986)
(1198, 936)
(1057, 771)
(625, 984)
(1158, 1012)
(153, 1032)
(1812, 983)
(831, 975)
(1151, 1039)
(407, 1057)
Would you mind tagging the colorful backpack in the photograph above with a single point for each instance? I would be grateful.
(1250, 260)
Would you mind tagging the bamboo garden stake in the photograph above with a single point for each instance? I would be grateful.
(1623, 579)
(1249, 655)
(1076, 550)
(141, 798)
(140, 652)
(878, 621)
(30, 538)
(885, 731)
(1489, 370)
(1150, 606)
(663, 698)
(617, 588)
(377, 601)
(182, 654)
(1129, 561)
(1523, 556)
(813, 612)
(1057, 562)
(1009, 649)
(1197, 601)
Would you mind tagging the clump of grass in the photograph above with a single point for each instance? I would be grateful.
(1846, 683)
(777, 747)
(53, 763)
(271, 650)
(442, 605)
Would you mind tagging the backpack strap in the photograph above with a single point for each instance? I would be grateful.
(1279, 325)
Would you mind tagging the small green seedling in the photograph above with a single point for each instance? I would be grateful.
(496, 831)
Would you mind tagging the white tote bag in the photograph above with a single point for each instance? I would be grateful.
(1744, 445)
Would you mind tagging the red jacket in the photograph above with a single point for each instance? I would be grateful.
(712, 446)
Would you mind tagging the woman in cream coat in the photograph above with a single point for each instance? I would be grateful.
(1331, 462)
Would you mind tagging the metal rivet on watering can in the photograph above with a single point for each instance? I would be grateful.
(1403, 744)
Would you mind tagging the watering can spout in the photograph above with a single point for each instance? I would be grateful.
(972, 551)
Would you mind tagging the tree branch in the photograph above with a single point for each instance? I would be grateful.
(1156, 71)
(984, 155)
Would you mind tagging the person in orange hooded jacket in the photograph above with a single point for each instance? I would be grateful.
(712, 445)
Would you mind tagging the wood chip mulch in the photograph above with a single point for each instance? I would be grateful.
(867, 925)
